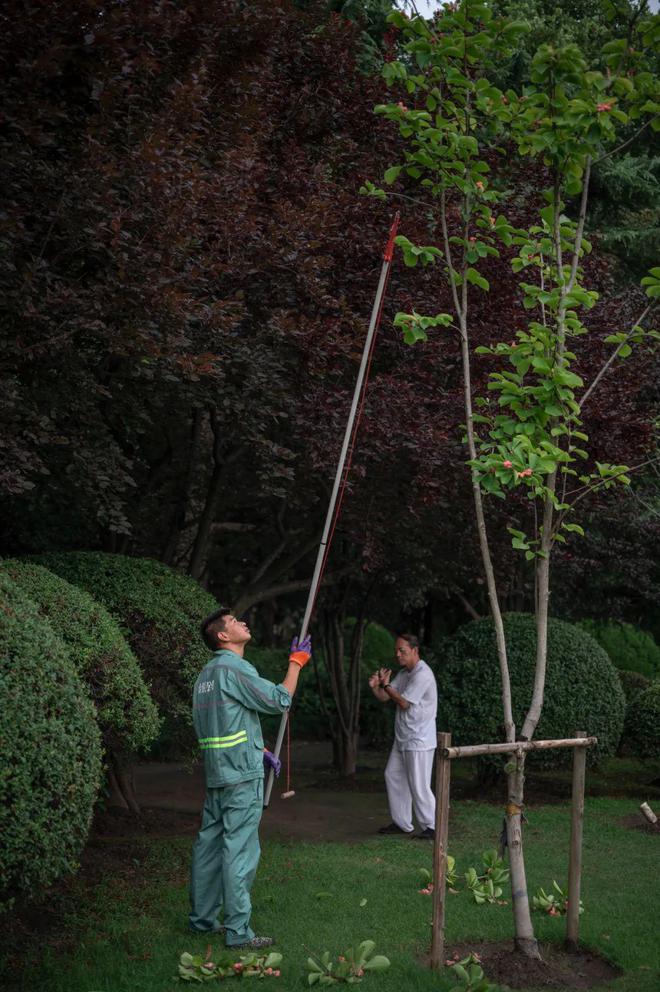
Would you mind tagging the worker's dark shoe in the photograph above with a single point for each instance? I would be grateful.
(392, 828)
(217, 929)
(428, 833)
(256, 944)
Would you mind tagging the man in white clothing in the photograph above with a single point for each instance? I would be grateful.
(408, 772)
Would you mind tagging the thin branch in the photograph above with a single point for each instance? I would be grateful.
(445, 238)
(587, 490)
(467, 605)
(612, 357)
(412, 199)
(647, 506)
(282, 588)
(582, 216)
(625, 144)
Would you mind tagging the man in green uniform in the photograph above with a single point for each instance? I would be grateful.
(228, 696)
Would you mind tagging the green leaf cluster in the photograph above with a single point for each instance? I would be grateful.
(414, 326)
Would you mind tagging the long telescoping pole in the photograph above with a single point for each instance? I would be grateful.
(320, 557)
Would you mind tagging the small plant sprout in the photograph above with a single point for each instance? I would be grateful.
(426, 878)
(554, 903)
(470, 975)
(194, 968)
(486, 888)
(351, 967)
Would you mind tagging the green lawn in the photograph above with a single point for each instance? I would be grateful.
(126, 935)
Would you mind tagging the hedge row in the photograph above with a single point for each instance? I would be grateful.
(51, 751)
(582, 690)
(71, 683)
(629, 648)
(159, 611)
(111, 673)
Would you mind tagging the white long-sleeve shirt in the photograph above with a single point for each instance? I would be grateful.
(414, 728)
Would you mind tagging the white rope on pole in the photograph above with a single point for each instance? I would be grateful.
(373, 323)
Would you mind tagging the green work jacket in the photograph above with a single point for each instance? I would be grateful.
(228, 696)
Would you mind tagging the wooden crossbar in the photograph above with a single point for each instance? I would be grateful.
(513, 747)
(444, 754)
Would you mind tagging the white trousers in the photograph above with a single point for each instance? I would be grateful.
(408, 782)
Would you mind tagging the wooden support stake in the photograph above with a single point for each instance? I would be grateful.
(442, 783)
(575, 858)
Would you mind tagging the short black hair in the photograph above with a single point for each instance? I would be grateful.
(212, 625)
(411, 639)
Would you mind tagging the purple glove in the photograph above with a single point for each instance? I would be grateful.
(305, 645)
(301, 653)
(270, 761)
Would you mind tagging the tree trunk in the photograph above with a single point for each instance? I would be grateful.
(115, 798)
(345, 686)
(122, 783)
(347, 753)
(525, 940)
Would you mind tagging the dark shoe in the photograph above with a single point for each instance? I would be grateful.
(256, 944)
(217, 929)
(392, 828)
(428, 833)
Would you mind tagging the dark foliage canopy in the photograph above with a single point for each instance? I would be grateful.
(188, 277)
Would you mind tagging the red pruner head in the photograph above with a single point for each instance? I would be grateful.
(389, 248)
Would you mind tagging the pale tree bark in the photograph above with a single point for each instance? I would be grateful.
(525, 940)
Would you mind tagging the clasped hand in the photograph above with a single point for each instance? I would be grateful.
(381, 678)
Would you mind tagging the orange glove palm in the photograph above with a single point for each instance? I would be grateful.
(301, 653)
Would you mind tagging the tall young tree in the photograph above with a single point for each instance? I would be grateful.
(526, 436)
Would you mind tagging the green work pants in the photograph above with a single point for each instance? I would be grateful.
(225, 858)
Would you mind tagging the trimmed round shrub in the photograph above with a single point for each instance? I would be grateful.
(643, 723)
(111, 673)
(160, 611)
(629, 648)
(51, 752)
(633, 683)
(582, 690)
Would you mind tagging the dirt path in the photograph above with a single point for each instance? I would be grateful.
(321, 810)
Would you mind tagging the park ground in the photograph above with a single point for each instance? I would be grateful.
(327, 881)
